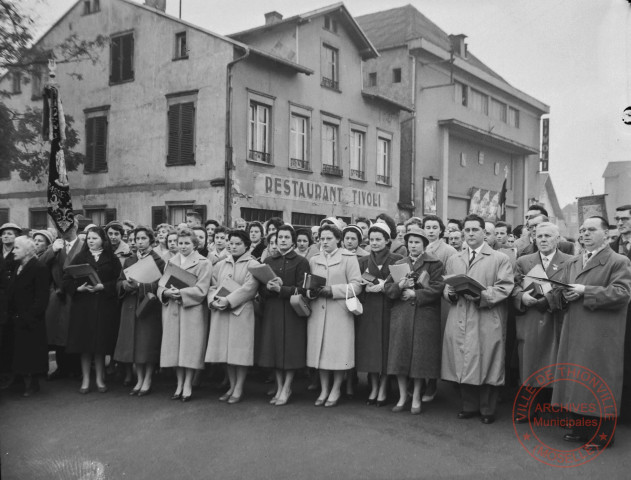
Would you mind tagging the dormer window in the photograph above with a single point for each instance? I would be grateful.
(330, 23)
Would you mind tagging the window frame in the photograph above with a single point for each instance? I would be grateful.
(177, 54)
(484, 101)
(37, 210)
(502, 110)
(295, 163)
(372, 79)
(384, 138)
(90, 165)
(513, 122)
(461, 94)
(177, 101)
(357, 173)
(330, 66)
(397, 75)
(116, 37)
(16, 82)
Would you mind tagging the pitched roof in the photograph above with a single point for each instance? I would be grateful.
(397, 26)
(544, 182)
(614, 169)
(364, 44)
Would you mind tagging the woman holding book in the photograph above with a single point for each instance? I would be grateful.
(414, 346)
(331, 326)
(140, 333)
(94, 311)
(283, 333)
(372, 329)
(182, 291)
(231, 295)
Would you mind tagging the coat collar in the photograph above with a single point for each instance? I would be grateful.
(246, 257)
(600, 258)
(334, 260)
(484, 252)
(188, 262)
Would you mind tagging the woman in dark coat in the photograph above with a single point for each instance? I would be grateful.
(283, 333)
(95, 312)
(372, 328)
(140, 333)
(415, 338)
(28, 299)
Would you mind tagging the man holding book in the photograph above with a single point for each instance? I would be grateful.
(473, 345)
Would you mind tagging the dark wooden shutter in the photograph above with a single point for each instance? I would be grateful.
(173, 156)
(89, 145)
(110, 215)
(158, 216)
(181, 120)
(100, 143)
(127, 52)
(115, 59)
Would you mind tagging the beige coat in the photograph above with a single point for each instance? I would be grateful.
(185, 323)
(331, 327)
(231, 337)
(473, 345)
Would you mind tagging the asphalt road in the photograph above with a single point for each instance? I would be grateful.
(60, 434)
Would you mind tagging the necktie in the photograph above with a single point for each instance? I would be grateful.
(472, 257)
(67, 246)
(587, 257)
(545, 261)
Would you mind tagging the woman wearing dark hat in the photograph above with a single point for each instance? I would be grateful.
(351, 239)
(28, 298)
(283, 333)
(43, 239)
(415, 337)
(94, 312)
(140, 333)
(372, 329)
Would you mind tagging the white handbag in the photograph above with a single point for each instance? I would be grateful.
(353, 304)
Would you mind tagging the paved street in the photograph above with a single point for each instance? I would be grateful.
(60, 434)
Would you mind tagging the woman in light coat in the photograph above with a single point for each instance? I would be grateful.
(231, 337)
(185, 316)
(331, 327)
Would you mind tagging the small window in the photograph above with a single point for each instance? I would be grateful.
(383, 161)
(96, 143)
(181, 48)
(396, 75)
(259, 147)
(181, 125)
(299, 146)
(177, 212)
(305, 220)
(358, 151)
(259, 214)
(16, 82)
(372, 79)
(462, 94)
(330, 23)
(99, 215)
(330, 67)
(122, 58)
(91, 6)
(513, 117)
(38, 218)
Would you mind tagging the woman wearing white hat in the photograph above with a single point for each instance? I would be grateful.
(415, 343)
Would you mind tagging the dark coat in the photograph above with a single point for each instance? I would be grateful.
(139, 337)
(58, 311)
(593, 329)
(372, 328)
(7, 268)
(94, 317)
(415, 338)
(28, 298)
(538, 328)
(283, 334)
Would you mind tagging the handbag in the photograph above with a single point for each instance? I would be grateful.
(300, 304)
(353, 304)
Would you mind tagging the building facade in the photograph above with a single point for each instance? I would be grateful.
(470, 128)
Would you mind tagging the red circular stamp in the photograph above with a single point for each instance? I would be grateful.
(595, 408)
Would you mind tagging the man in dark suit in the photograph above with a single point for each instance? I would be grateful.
(622, 245)
(58, 256)
(563, 246)
(538, 328)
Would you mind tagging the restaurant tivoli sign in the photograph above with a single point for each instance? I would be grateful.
(275, 186)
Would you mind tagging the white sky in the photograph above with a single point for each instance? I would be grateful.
(574, 55)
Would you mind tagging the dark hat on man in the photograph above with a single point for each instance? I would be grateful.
(416, 231)
(10, 226)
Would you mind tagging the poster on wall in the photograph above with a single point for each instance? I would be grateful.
(430, 196)
(590, 206)
(485, 203)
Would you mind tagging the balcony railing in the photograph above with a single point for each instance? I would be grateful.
(330, 83)
(259, 156)
(359, 174)
(297, 163)
(332, 170)
(383, 179)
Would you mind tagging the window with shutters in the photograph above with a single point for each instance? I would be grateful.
(176, 212)
(38, 218)
(181, 125)
(99, 214)
(122, 58)
(95, 142)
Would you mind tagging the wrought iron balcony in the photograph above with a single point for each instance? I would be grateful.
(259, 156)
(330, 83)
(302, 164)
(359, 174)
(383, 179)
(332, 170)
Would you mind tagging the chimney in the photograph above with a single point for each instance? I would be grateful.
(458, 45)
(272, 17)
(157, 4)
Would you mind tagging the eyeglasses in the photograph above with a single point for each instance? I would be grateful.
(622, 219)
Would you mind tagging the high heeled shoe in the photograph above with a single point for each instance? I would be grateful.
(144, 393)
(371, 401)
(283, 401)
(102, 389)
(319, 402)
(84, 390)
(134, 392)
(176, 396)
(232, 400)
(225, 397)
(382, 403)
(186, 398)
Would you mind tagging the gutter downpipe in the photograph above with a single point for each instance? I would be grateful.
(229, 164)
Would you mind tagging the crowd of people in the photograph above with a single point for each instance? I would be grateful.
(417, 329)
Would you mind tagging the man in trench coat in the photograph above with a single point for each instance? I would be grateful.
(592, 336)
(473, 345)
